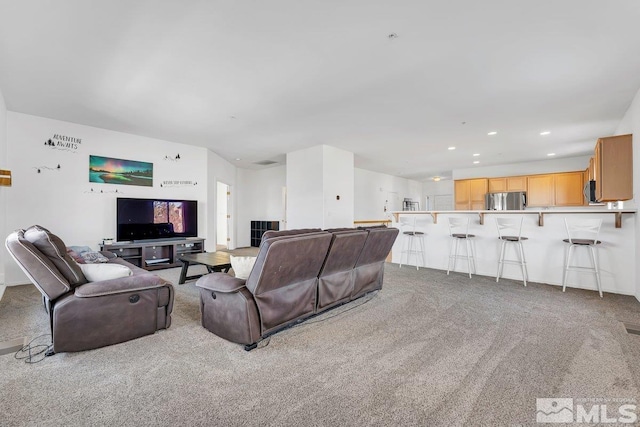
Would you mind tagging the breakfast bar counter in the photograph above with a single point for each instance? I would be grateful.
(544, 248)
(540, 213)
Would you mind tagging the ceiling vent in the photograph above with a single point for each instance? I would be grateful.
(265, 163)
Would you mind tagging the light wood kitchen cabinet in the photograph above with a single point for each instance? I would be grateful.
(556, 189)
(478, 191)
(462, 194)
(591, 171)
(540, 190)
(614, 168)
(497, 185)
(510, 183)
(469, 193)
(552, 189)
(569, 188)
(517, 183)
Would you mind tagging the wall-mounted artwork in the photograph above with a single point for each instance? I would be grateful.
(107, 170)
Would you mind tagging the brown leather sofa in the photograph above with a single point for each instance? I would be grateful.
(86, 315)
(297, 274)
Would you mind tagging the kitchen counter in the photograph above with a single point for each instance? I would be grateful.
(544, 249)
(539, 212)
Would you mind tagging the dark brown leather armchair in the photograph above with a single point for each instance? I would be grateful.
(297, 274)
(87, 315)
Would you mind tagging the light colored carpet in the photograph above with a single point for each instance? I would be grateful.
(429, 350)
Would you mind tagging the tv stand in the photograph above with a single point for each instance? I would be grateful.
(156, 254)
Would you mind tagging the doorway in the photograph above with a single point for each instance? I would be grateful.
(222, 216)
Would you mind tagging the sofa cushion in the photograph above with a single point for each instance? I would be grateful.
(54, 248)
(93, 257)
(75, 255)
(242, 265)
(99, 272)
(86, 255)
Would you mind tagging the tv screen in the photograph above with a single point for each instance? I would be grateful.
(144, 219)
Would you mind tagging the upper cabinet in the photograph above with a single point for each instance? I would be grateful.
(517, 183)
(510, 183)
(556, 189)
(591, 171)
(568, 189)
(553, 189)
(497, 185)
(613, 168)
(469, 193)
(540, 191)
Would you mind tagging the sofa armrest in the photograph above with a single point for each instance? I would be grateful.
(221, 282)
(138, 282)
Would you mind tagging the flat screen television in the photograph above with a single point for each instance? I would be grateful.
(149, 219)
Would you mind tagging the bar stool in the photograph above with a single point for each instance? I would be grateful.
(510, 231)
(582, 233)
(459, 230)
(413, 241)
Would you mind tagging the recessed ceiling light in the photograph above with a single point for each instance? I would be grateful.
(551, 154)
(476, 154)
(436, 178)
(476, 162)
(238, 158)
(492, 133)
(452, 148)
(546, 132)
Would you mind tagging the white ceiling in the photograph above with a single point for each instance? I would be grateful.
(255, 79)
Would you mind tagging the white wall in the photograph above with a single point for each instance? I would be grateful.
(260, 196)
(566, 164)
(631, 124)
(304, 188)
(441, 189)
(259, 199)
(374, 191)
(218, 169)
(3, 190)
(62, 201)
(338, 187)
(315, 177)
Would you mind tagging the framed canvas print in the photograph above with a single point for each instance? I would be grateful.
(107, 170)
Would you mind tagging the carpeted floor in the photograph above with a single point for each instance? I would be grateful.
(429, 349)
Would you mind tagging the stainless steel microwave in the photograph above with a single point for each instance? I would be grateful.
(590, 193)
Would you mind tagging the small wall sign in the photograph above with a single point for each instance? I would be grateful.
(63, 142)
(177, 183)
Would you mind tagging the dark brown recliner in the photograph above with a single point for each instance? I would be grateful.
(280, 289)
(369, 269)
(87, 315)
(298, 273)
(336, 279)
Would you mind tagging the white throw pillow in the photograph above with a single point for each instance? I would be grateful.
(99, 272)
(242, 265)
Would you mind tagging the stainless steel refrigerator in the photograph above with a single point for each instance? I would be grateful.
(511, 201)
